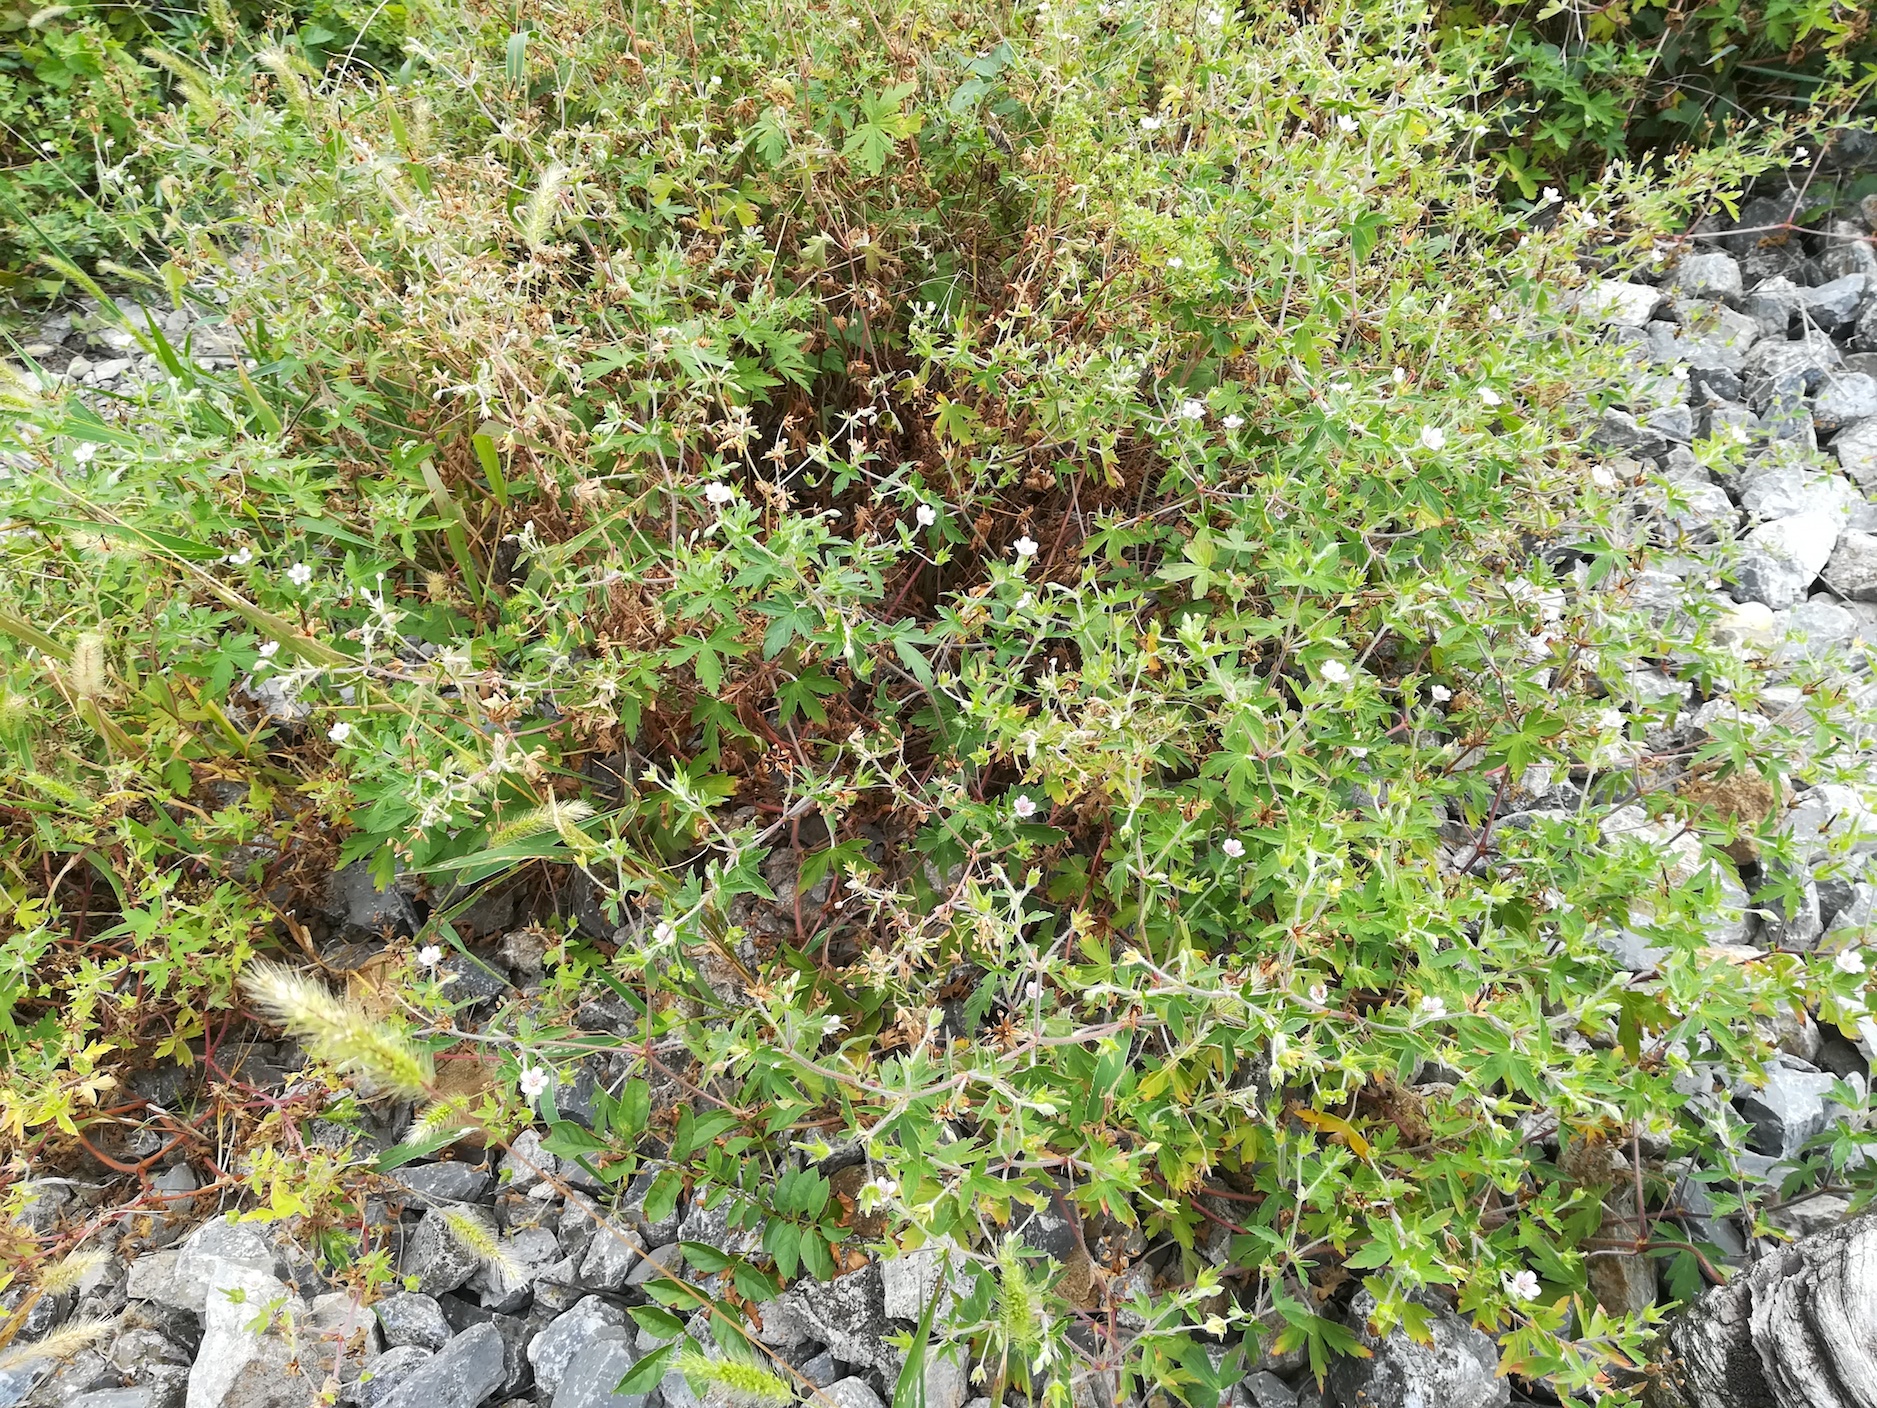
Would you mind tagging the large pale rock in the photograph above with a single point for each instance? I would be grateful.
(1856, 449)
(1459, 1369)
(594, 1374)
(247, 1359)
(1708, 276)
(1620, 304)
(1780, 560)
(1851, 571)
(462, 1374)
(202, 1261)
(848, 1315)
(1844, 399)
(1830, 818)
(556, 1347)
(1788, 1110)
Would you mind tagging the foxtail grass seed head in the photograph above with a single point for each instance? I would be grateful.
(437, 1117)
(70, 1338)
(484, 1243)
(540, 217)
(65, 1275)
(378, 1056)
(554, 815)
(89, 676)
(747, 1385)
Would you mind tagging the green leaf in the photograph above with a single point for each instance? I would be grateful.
(661, 1323)
(401, 1154)
(662, 1197)
(644, 1376)
(635, 1109)
(703, 1257)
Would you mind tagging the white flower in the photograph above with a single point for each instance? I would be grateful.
(1232, 422)
(1550, 196)
(1554, 899)
(1849, 960)
(1319, 995)
(1441, 693)
(1176, 262)
(1150, 124)
(1215, 18)
(1801, 153)
(534, 1081)
(719, 493)
(1490, 397)
(1346, 122)
(269, 648)
(299, 574)
(1610, 718)
(340, 731)
(1433, 1007)
(1522, 1285)
(1602, 478)
(429, 956)
(1334, 671)
(83, 451)
(1032, 990)
(663, 933)
(1233, 847)
(1400, 375)
(926, 514)
(1433, 437)
(241, 557)
(880, 1188)
(1192, 410)
(1025, 546)
(1024, 807)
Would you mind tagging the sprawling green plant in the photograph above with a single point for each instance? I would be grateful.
(1584, 84)
(1034, 569)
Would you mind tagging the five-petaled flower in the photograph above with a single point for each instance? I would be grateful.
(1192, 410)
(1441, 693)
(1433, 437)
(268, 649)
(1849, 960)
(926, 514)
(1522, 1285)
(1024, 807)
(340, 731)
(83, 451)
(1433, 1007)
(1490, 397)
(299, 574)
(534, 1081)
(1602, 478)
(719, 493)
(1346, 122)
(1232, 422)
(1150, 124)
(1233, 847)
(429, 956)
(1334, 671)
(1025, 546)
(241, 557)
